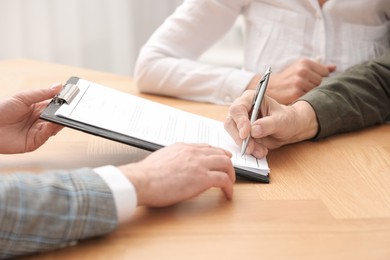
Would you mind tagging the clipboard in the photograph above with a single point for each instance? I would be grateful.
(68, 94)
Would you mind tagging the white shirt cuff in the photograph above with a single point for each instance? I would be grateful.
(234, 86)
(123, 191)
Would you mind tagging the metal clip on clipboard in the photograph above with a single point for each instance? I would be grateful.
(67, 94)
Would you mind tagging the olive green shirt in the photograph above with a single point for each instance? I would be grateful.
(357, 98)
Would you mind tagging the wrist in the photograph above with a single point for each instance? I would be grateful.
(305, 119)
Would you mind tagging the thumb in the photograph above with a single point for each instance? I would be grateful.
(263, 127)
(35, 96)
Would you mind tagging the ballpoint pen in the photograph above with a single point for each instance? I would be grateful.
(256, 104)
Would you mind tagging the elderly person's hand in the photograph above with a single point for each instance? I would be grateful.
(277, 124)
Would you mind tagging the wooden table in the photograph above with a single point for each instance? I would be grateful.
(326, 200)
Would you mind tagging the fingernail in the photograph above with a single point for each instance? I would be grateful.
(56, 85)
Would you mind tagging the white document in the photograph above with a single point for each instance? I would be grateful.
(130, 115)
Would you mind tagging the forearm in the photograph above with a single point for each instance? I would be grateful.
(162, 74)
(44, 212)
(168, 65)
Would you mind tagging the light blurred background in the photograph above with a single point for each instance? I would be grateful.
(103, 35)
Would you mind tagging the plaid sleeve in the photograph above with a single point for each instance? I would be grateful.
(48, 211)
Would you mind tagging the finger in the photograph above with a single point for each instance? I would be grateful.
(207, 149)
(231, 128)
(221, 163)
(221, 180)
(312, 79)
(239, 112)
(256, 148)
(35, 96)
(318, 68)
(243, 126)
(241, 121)
(48, 129)
(40, 134)
(310, 72)
(251, 146)
(55, 128)
(198, 145)
(246, 100)
(260, 151)
(217, 151)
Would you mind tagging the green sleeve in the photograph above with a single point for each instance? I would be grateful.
(357, 98)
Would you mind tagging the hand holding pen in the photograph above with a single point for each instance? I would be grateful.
(256, 104)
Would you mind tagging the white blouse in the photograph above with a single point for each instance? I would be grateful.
(277, 33)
